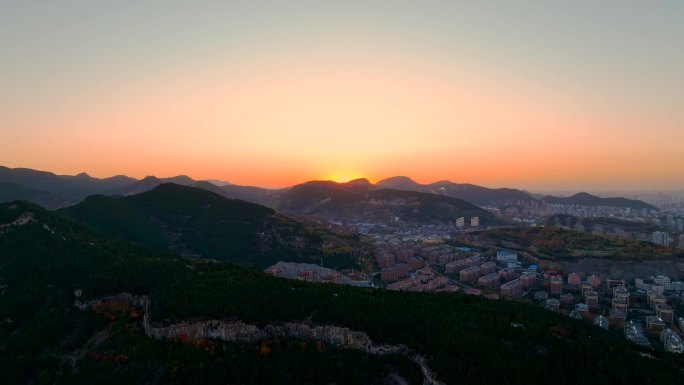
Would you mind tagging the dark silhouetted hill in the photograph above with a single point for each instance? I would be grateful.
(199, 223)
(472, 193)
(360, 201)
(586, 199)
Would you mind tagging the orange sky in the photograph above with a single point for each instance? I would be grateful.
(282, 112)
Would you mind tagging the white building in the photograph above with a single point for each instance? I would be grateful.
(460, 222)
(662, 280)
(506, 256)
(474, 221)
(660, 238)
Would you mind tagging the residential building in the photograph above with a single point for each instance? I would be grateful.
(574, 279)
(660, 238)
(490, 280)
(621, 292)
(507, 274)
(585, 287)
(528, 279)
(672, 342)
(469, 275)
(512, 288)
(662, 280)
(620, 304)
(594, 280)
(333, 278)
(592, 299)
(308, 275)
(385, 260)
(567, 299)
(552, 304)
(556, 285)
(665, 312)
(601, 322)
(635, 333)
(655, 324)
(456, 266)
(474, 221)
(541, 295)
(488, 268)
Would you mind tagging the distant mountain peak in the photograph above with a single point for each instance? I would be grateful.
(399, 182)
(584, 194)
(360, 182)
(399, 178)
(586, 199)
(218, 182)
(442, 182)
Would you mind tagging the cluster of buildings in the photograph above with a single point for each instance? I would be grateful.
(647, 305)
(307, 274)
(403, 265)
(643, 309)
(533, 212)
(661, 238)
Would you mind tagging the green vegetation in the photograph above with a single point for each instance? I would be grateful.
(198, 223)
(560, 244)
(467, 340)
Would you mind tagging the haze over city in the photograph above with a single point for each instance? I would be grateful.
(577, 96)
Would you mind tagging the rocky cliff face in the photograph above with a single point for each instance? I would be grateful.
(234, 331)
(238, 331)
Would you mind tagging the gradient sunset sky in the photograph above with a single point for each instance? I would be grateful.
(540, 95)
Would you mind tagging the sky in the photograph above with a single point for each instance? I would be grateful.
(541, 95)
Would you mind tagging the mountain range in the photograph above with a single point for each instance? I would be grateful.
(359, 200)
(54, 191)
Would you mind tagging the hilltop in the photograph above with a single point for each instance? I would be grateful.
(586, 199)
(198, 223)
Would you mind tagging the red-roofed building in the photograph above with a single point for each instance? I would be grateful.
(333, 278)
(308, 275)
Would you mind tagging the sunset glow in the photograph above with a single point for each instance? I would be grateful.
(318, 96)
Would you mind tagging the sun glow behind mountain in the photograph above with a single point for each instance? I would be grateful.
(343, 176)
(275, 95)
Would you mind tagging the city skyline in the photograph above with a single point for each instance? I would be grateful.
(542, 97)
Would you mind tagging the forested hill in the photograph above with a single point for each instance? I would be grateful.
(45, 259)
(198, 223)
(358, 201)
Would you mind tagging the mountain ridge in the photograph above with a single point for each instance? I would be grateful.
(57, 191)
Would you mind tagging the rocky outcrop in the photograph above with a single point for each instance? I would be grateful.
(238, 331)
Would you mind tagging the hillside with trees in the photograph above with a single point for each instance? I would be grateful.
(197, 223)
(45, 259)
